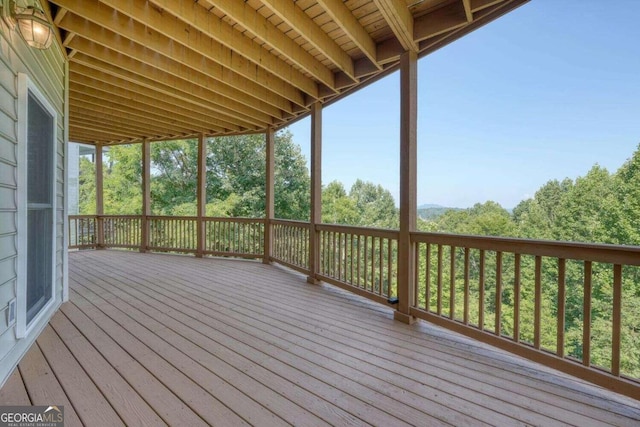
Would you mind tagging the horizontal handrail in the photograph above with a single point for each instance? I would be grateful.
(508, 292)
(373, 232)
(552, 302)
(614, 254)
(362, 260)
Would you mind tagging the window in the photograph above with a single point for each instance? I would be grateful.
(36, 205)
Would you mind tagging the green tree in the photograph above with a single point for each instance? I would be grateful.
(375, 205)
(337, 206)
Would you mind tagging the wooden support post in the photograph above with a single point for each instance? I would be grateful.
(202, 194)
(316, 191)
(99, 198)
(408, 184)
(269, 194)
(146, 195)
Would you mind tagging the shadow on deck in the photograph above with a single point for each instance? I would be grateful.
(162, 339)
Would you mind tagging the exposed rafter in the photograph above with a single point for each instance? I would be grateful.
(158, 69)
(295, 17)
(250, 20)
(398, 17)
(191, 25)
(342, 16)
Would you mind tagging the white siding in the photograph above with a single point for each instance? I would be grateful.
(46, 70)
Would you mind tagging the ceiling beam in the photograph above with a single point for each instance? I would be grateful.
(118, 123)
(89, 88)
(467, 10)
(191, 25)
(483, 17)
(189, 68)
(87, 76)
(136, 112)
(101, 134)
(478, 5)
(397, 15)
(103, 59)
(190, 44)
(86, 109)
(342, 16)
(440, 21)
(254, 23)
(299, 21)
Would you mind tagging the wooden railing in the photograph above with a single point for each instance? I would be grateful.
(241, 237)
(362, 260)
(122, 231)
(560, 304)
(536, 299)
(172, 234)
(82, 231)
(291, 244)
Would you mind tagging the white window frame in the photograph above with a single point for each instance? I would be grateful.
(26, 87)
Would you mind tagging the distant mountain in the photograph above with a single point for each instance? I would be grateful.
(431, 211)
(429, 206)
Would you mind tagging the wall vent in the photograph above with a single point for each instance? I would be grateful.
(11, 313)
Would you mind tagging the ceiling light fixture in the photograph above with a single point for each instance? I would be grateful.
(31, 22)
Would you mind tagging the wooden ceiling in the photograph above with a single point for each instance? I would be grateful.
(160, 69)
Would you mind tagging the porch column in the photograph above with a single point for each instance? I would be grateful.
(269, 195)
(146, 195)
(99, 198)
(408, 184)
(316, 191)
(201, 193)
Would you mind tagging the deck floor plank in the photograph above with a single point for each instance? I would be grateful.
(13, 391)
(43, 386)
(325, 366)
(90, 404)
(222, 342)
(489, 397)
(267, 358)
(125, 400)
(172, 410)
(204, 403)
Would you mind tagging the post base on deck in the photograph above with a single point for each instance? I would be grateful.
(313, 280)
(404, 318)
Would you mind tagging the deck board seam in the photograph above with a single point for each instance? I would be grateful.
(179, 350)
(329, 385)
(83, 370)
(223, 273)
(535, 375)
(411, 379)
(559, 408)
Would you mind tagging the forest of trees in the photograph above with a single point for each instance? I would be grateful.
(600, 207)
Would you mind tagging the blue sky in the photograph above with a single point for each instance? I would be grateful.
(542, 93)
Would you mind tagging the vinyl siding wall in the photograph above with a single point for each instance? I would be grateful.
(47, 71)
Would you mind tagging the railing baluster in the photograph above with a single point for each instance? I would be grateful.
(516, 298)
(427, 278)
(390, 267)
(562, 297)
(586, 315)
(617, 320)
(359, 259)
(439, 280)
(537, 311)
(452, 282)
(416, 279)
(481, 292)
(380, 269)
(466, 286)
(498, 297)
(373, 264)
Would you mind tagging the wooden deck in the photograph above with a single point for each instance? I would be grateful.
(161, 339)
